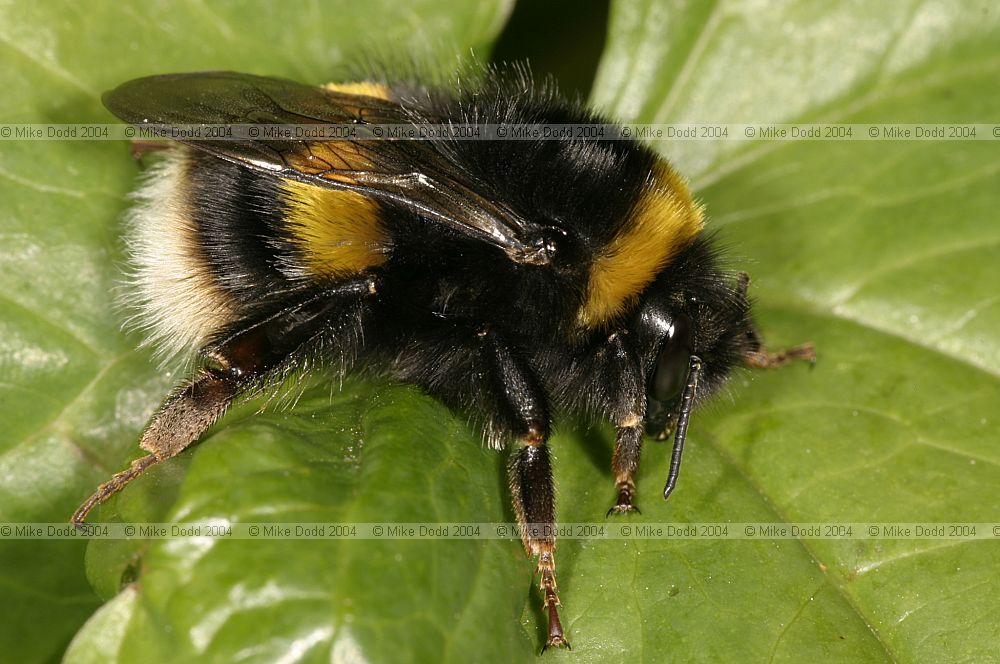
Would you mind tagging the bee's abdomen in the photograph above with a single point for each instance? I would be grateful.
(215, 243)
(180, 301)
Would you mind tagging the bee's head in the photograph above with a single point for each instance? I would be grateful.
(691, 310)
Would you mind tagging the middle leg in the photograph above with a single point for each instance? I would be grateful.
(524, 411)
(476, 368)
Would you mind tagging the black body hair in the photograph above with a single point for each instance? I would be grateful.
(438, 292)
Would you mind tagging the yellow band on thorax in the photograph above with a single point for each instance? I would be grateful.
(664, 221)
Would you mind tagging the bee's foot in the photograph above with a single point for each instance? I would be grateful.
(623, 509)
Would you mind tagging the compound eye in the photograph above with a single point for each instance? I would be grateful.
(672, 363)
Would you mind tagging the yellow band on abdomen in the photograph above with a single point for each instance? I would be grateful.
(339, 232)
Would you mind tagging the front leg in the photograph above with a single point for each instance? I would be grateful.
(757, 355)
(625, 463)
(761, 358)
(625, 399)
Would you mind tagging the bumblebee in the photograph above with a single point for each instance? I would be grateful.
(511, 279)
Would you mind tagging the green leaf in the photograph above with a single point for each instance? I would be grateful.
(884, 254)
(368, 453)
(73, 391)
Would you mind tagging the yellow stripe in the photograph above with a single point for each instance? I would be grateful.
(664, 220)
(362, 89)
(339, 232)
